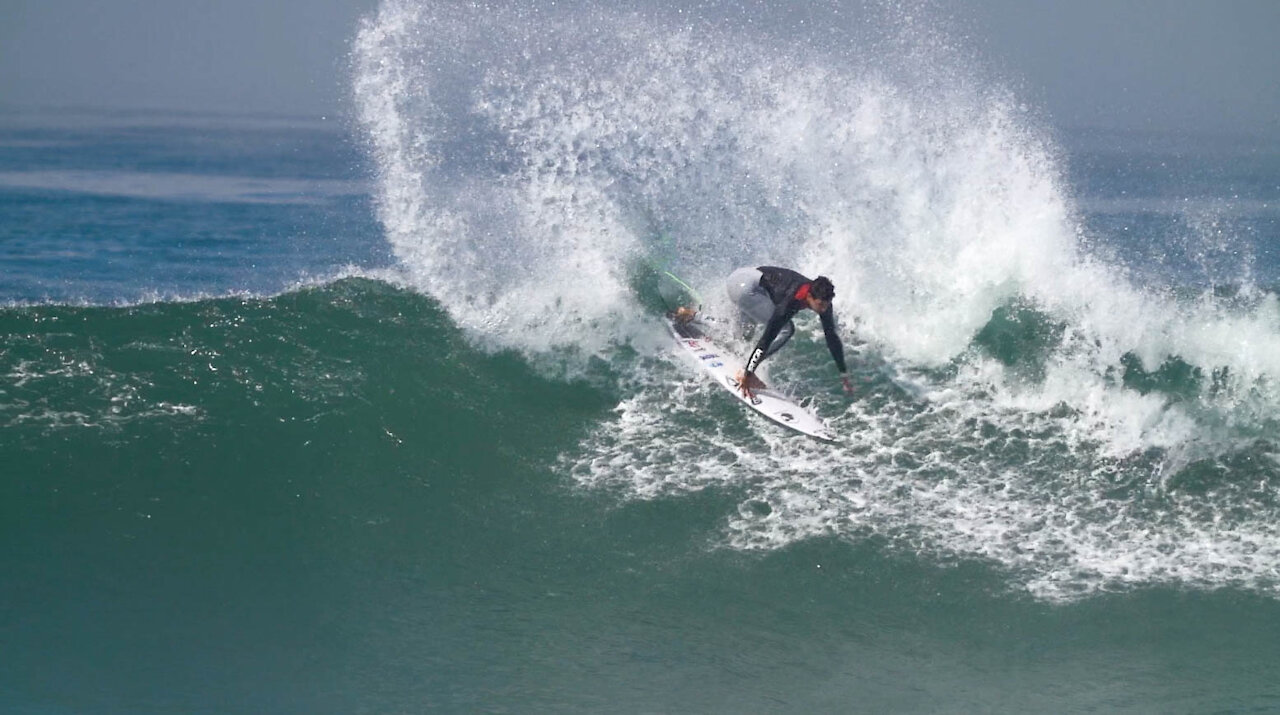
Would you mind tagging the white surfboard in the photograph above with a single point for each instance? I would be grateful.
(724, 368)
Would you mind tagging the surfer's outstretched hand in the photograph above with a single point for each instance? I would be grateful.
(848, 387)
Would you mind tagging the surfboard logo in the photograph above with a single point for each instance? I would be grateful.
(786, 416)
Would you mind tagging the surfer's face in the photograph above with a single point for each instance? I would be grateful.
(818, 305)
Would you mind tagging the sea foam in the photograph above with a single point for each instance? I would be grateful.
(530, 159)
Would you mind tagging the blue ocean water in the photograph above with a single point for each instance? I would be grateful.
(378, 415)
(120, 206)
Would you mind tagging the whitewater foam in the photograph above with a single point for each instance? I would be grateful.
(529, 161)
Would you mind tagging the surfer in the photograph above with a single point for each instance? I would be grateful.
(771, 296)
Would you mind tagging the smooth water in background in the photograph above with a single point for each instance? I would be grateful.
(377, 414)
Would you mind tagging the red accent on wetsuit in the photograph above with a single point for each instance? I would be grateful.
(803, 292)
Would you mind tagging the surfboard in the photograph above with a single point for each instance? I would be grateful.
(724, 368)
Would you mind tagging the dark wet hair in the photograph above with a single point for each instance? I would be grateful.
(822, 289)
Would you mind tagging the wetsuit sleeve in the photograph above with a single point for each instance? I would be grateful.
(833, 338)
(781, 314)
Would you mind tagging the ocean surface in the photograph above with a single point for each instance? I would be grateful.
(377, 414)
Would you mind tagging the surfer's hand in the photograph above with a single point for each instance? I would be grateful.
(848, 387)
(744, 384)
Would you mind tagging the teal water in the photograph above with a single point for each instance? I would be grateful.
(380, 416)
(328, 502)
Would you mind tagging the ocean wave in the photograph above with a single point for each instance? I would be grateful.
(529, 160)
(160, 186)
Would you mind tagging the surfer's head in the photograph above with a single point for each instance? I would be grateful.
(821, 291)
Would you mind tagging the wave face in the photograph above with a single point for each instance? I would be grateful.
(1028, 397)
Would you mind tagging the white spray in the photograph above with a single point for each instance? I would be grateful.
(528, 158)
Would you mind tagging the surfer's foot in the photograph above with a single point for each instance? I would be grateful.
(684, 314)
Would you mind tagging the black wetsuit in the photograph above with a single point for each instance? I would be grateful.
(782, 284)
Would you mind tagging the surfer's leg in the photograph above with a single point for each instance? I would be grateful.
(754, 305)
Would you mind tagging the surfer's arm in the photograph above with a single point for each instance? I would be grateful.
(833, 339)
(771, 330)
(836, 347)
